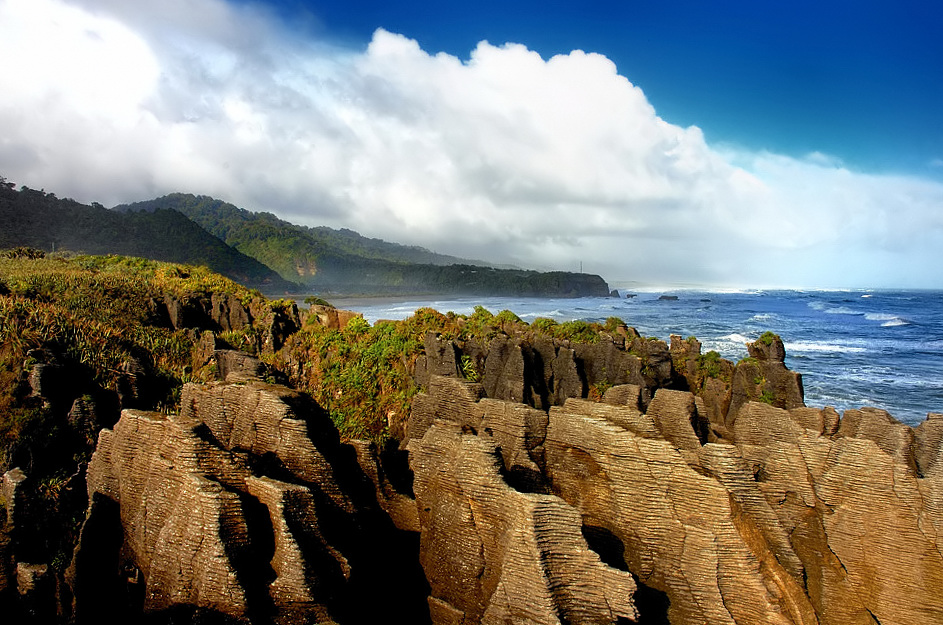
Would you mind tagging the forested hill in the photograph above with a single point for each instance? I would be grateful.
(285, 246)
(342, 261)
(41, 220)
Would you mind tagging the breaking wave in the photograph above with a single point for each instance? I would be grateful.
(812, 346)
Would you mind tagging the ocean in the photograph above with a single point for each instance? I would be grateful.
(853, 348)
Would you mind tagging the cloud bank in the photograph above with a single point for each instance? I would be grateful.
(505, 155)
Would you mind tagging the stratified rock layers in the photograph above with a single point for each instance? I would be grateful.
(247, 506)
(793, 519)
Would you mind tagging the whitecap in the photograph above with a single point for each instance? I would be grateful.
(762, 317)
(542, 314)
(842, 310)
(895, 322)
(889, 321)
(812, 346)
(735, 338)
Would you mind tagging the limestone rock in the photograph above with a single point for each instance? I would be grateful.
(623, 395)
(766, 380)
(928, 440)
(496, 555)
(674, 414)
(892, 436)
(36, 586)
(867, 529)
(505, 374)
(333, 318)
(679, 531)
(245, 506)
(567, 381)
(767, 349)
(11, 490)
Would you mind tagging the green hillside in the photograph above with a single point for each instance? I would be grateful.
(41, 220)
(275, 241)
(342, 261)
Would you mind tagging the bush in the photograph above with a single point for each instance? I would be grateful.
(29, 253)
(613, 324)
(313, 300)
(709, 364)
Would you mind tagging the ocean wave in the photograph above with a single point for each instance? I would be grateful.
(842, 310)
(735, 338)
(762, 317)
(543, 315)
(890, 321)
(812, 346)
(894, 323)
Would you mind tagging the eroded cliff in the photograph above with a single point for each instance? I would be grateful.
(536, 479)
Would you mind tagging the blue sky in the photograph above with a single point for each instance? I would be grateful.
(859, 80)
(730, 144)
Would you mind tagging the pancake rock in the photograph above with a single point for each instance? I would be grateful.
(246, 506)
(793, 516)
(492, 553)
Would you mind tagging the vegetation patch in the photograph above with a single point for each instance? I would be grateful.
(709, 364)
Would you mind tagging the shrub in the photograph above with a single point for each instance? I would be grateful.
(544, 325)
(709, 364)
(469, 370)
(613, 324)
(313, 300)
(768, 338)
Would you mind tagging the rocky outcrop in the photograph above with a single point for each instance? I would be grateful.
(272, 322)
(333, 318)
(541, 372)
(245, 505)
(492, 553)
(797, 517)
(519, 504)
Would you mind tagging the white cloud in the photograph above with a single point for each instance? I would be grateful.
(507, 156)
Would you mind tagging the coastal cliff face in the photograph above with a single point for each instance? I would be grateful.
(650, 505)
(536, 480)
(245, 507)
(789, 520)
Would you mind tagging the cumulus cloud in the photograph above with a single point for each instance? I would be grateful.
(504, 155)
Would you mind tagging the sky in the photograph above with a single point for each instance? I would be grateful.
(739, 144)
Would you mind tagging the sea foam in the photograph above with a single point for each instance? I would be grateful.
(812, 346)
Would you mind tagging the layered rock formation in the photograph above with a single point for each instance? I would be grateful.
(789, 520)
(245, 506)
(692, 491)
